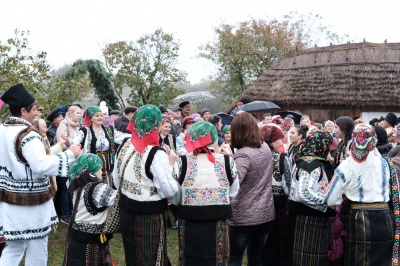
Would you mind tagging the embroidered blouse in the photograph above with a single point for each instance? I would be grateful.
(365, 182)
(307, 189)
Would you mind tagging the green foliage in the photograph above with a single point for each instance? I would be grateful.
(242, 52)
(99, 77)
(18, 64)
(147, 67)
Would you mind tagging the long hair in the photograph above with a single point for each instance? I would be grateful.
(346, 125)
(245, 131)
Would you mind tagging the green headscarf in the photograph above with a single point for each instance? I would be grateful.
(86, 162)
(201, 134)
(226, 129)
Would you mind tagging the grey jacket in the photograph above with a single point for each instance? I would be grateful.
(254, 203)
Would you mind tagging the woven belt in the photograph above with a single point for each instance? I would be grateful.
(102, 152)
(369, 206)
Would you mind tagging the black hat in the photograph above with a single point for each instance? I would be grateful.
(163, 109)
(130, 109)
(54, 114)
(114, 112)
(203, 111)
(182, 104)
(392, 119)
(373, 121)
(381, 135)
(176, 108)
(17, 97)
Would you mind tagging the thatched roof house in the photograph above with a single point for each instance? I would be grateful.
(328, 82)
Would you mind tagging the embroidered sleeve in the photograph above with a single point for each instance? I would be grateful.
(309, 189)
(162, 175)
(333, 195)
(242, 162)
(180, 147)
(40, 163)
(103, 195)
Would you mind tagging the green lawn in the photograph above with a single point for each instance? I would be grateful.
(57, 242)
(57, 246)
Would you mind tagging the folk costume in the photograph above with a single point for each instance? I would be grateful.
(92, 199)
(369, 181)
(102, 144)
(274, 251)
(26, 207)
(308, 219)
(147, 183)
(208, 181)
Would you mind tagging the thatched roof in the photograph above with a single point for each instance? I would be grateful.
(359, 74)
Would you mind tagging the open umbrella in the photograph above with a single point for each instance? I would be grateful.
(194, 97)
(226, 119)
(258, 106)
(296, 114)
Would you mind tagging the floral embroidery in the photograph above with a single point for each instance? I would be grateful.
(137, 166)
(191, 171)
(122, 153)
(205, 196)
(220, 241)
(219, 168)
(131, 187)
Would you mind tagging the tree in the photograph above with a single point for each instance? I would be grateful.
(147, 67)
(19, 64)
(99, 77)
(242, 52)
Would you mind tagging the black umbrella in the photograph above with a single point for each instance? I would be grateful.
(258, 106)
(296, 115)
(226, 119)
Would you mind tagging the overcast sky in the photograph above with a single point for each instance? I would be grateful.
(73, 29)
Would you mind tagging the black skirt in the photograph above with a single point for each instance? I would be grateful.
(370, 236)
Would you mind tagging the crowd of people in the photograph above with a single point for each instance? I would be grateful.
(313, 193)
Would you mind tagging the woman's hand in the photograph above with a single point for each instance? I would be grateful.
(226, 149)
(63, 139)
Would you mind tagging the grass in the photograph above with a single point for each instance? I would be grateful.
(57, 242)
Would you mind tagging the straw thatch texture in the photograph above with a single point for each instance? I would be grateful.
(354, 75)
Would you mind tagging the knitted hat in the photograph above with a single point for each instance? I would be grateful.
(183, 104)
(86, 162)
(53, 114)
(89, 113)
(203, 111)
(226, 129)
(144, 127)
(392, 119)
(364, 141)
(381, 135)
(188, 119)
(201, 134)
(271, 133)
(17, 97)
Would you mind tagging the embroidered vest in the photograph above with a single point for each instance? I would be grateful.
(138, 193)
(205, 188)
(90, 141)
(36, 189)
(89, 220)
